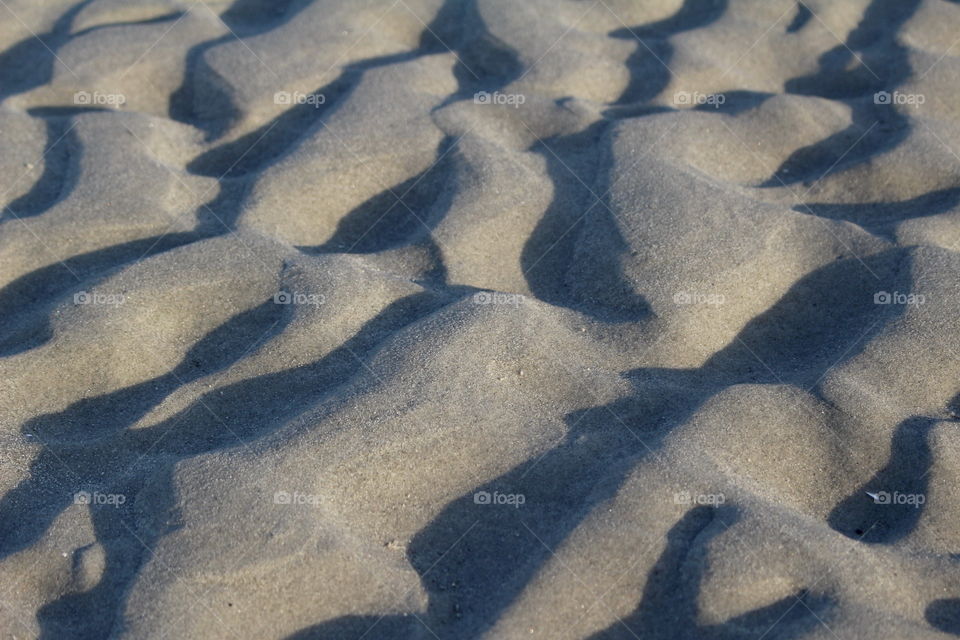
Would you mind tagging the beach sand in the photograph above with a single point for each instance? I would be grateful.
(467, 319)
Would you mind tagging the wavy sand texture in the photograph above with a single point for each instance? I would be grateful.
(455, 319)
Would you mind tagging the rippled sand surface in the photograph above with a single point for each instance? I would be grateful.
(462, 319)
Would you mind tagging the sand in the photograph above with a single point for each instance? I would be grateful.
(469, 319)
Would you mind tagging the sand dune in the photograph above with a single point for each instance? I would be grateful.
(479, 319)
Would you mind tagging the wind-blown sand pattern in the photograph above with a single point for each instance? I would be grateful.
(469, 319)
